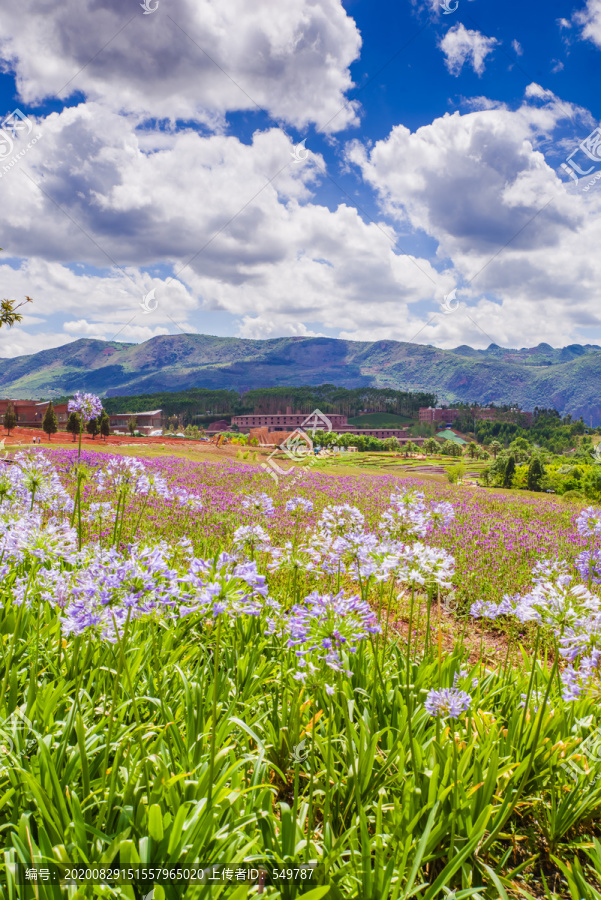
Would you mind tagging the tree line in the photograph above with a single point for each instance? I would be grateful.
(197, 403)
(94, 426)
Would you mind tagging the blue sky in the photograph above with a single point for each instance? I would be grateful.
(156, 158)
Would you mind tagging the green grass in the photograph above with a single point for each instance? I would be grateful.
(189, 741)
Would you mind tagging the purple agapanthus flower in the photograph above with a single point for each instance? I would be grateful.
(87, 406)
(299, 505)
(447, 703)
(260, 504)
(588, 522)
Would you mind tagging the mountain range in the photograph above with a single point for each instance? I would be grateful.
(568, 379)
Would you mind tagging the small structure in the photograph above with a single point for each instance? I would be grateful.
(148, 421)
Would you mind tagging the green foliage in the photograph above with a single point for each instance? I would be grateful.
(192, 403)
(73, 424)
(549, 431)
(456, 473)
(591, 484)
(10, 418)
(535, 474)
(450, 448)
(119, 759)
(365, 443)
(8, 311)
(573, 497)
(410, 448)
(49, 422)
(423, 429)
(380, 420)
(192, 431)
(509, 472)
(93, 427)
(104, 424)
(390, 408)
(329, 398)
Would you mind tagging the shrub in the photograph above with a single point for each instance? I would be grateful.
(573, 497)
(591, 484)
(455, 473)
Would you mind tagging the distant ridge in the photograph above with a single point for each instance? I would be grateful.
(567, 378)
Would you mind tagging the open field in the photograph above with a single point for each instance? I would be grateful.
(279, 705)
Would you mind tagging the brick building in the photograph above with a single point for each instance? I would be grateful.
(431, 415)
(30, 413)
(281, 421)
(288, 422)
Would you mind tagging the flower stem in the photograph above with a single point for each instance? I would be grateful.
(214, 714)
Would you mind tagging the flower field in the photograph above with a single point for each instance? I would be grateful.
(203, 669)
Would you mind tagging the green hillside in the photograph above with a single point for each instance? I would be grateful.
(568, 379)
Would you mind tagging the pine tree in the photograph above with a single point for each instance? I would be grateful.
(50, 423)
(92, 427)
(105, 426)
(535, 474)
(10, 418)
(509, 472)
(73, 425)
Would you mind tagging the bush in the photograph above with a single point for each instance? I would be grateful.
(591, 484)
(573, 497)
(455, 473)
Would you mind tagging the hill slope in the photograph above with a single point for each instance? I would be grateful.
(568, 378)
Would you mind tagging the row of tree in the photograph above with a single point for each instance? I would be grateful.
(198, 403)
(50, 423)
(330, 398)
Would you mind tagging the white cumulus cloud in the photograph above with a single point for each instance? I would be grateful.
(462, 45)
(191, 59)
(589, 19)
(522, 246)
